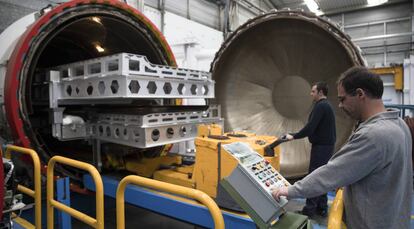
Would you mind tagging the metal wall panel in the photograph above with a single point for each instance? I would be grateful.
(378, 13)
(178, 7)
(206, 13)
(293, 4)
(201, 11)
(398, 27)
(380, 52)
(262, 4)
(243, 15)
(152, 3)
(12, 10)
(365, 31)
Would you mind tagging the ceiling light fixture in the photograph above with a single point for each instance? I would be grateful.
(99, 48)
(376, 2)
(313, 7)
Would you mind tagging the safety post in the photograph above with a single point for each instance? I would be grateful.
(97, 222)
(336, 211)
(36, 193)
(165, 187)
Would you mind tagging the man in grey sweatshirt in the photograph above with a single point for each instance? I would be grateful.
(374, 166)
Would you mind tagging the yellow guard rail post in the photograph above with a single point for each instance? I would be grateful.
(166, 187)
(336, 212)
(51, 203)
(36, 193)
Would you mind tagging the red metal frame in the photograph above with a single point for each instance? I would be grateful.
(12, 104)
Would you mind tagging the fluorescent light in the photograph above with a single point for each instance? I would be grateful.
(313, 6)
(376, 2)
(99, 48)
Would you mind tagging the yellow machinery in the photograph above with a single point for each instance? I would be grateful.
(334, 216)
(210, 166)
(212, 163)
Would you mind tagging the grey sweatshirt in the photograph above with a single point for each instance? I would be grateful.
(375, 169)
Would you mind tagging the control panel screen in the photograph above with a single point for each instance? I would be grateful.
(243, 153)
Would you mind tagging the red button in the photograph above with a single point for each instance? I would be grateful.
(267, 183)
(267, 162)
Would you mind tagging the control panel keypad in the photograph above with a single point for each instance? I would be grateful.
(258, 169)
(266, 175)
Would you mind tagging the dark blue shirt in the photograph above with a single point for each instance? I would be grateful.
(320, 128)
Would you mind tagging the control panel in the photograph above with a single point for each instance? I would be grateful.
(266, 176)
(251, 184)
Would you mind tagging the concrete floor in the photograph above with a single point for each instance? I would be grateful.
(137, 218)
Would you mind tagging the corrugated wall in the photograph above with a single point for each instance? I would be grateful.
(201, 11)
(368, 28)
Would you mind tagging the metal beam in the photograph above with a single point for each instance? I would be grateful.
(385, 45)
(161, 7)
(377, 22)
(226, 19)
(383, 36)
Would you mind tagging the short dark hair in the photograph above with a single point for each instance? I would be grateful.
(361, 77)
(322, 86)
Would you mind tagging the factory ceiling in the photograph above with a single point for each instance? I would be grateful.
(331, 6)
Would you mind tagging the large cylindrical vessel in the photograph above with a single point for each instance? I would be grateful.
(264, 72)
(73, 31)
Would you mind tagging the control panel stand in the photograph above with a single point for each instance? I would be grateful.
(251, 184)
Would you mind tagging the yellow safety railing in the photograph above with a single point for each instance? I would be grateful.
(51, 203)
(336, 212)
(166, 187)
(36, 193)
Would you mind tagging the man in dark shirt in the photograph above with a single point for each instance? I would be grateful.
(321, 132)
